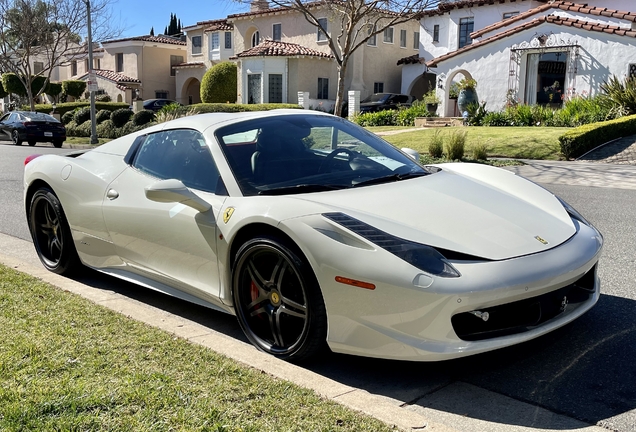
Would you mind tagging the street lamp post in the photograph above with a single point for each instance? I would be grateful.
(91, 74)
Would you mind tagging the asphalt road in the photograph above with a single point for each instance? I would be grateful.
(583, 374)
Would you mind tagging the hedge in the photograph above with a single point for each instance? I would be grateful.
(62, 108)
(584, 138)
(219, 83)
(225, 107)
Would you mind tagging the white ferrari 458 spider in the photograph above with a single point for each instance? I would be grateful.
(314, 232)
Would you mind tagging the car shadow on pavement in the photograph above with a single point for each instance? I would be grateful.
(585, 370)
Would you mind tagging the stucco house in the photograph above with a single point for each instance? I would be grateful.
(279, 53)
(141, 66)
(208, 43)
(523, 51)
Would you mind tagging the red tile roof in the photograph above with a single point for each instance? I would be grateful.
(443, 8)
(563, 5)
(157, 39)
(552, 19)
(216, 25)
(189, 65)
(118, 78)
(270, 48)
(413, 59)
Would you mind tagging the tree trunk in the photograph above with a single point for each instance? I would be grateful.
(340, 94)
(30, 97)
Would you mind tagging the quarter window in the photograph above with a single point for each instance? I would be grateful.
(180, 154)
(323, 23)
(466, 26)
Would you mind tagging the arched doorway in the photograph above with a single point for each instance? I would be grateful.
(191, 93)
(422, 85)
(451, 90)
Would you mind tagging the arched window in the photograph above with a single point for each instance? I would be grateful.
(256, 37)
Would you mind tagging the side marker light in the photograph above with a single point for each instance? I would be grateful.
(355, 283)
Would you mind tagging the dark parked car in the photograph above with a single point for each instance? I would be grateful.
(32, 127)
(157, 104)
(385, 101)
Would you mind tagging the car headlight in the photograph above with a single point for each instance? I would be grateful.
(573, 213)
(425, 258)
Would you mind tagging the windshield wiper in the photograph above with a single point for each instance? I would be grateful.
(301, 188)
(391, 178)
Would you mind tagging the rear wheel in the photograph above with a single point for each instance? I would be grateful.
(15, 137)
(51, 233)
(31, 143)
(58, 143)
(277, 300)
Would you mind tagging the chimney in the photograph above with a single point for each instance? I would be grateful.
(259, 5)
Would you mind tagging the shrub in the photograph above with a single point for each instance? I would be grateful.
(103, 98)
(496, 119)
(3, 92)
(81, 130)
(81, 115)
(74, 88)
(53, 89)
(620, 95)
(436, 146)
(480, 151)
(476, 113)
(224, 107)
(143, 117)
(380, 118)
(107, 129)
(102, 116)
(62, 108)
(454, 148)
(67, 117)
(174, 111)
(219, 83)
(121, 116)
(406, 117)
(577, 142)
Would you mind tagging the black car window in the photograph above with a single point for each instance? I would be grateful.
(4, 117)
(180, 154)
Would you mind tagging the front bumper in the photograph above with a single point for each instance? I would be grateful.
(409, 315)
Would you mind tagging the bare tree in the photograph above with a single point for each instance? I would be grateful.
(356, 22)
(47, 31)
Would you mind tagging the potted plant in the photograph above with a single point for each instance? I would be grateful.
(467, 94)
(432, 101)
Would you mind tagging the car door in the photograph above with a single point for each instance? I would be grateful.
(5, 127)
(168, 242)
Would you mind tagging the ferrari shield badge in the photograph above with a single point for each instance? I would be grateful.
(227, 214)
(545, 242)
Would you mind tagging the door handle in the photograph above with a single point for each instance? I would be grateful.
(112, 194)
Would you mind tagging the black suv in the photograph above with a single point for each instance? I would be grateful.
(385, 101)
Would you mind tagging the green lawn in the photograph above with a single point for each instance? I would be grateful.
(82, 140)
(512, 142)
(69, 365)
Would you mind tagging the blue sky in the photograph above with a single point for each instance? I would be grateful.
(137, 16)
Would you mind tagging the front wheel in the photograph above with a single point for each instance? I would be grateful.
(15, 137)
(277, 300)
(51, 233)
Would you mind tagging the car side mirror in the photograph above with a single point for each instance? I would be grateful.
(412, 154)
(174, 191)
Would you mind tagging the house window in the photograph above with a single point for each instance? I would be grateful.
(120, 62)
(161, 94)
(73, 68)
(38, 67)
(402, 38)
(373, 39)
(228, 40)
(631, 73)
(416, 40)
(510, 14)
(323, 24)
(276, 32)
(174, 60)
(97, 63)
(85, 65)
(378, 87)
(254, 88)
(256, 37)
(388, 35)
(275, 88)
(196, 44)
(214, 41)
(323, 88)
(466, 26)
(436, 33)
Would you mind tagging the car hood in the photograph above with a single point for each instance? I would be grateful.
(481, 211)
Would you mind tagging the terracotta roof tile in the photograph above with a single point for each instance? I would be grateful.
(552, 19)
(270, 48)
(413, 59)
(443, 8)
(189, 65)
(218, 25)
(118, 78)
(158, 39)
(562, 5)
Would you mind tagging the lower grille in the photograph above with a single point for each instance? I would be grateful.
(524, 315)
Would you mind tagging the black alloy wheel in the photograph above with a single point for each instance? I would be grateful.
(58, 143)
(278, 301)
(51, 234)
(15, 137)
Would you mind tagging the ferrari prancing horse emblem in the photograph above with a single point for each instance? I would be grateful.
(545, 242)
(227, 214)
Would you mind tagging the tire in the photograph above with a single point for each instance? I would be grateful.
(51, 233)
(58, 143)
(15, 137)
(32, 143)
(277, 300)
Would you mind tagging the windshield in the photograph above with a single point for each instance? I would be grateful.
(309, 153)
(377, 97)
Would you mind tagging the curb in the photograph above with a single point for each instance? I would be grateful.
(351, 397)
